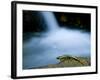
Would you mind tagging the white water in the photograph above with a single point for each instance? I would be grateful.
(40, 51)
(50, 21)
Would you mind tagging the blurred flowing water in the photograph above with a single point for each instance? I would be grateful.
(57, 41)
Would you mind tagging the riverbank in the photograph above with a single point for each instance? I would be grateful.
(84, 61)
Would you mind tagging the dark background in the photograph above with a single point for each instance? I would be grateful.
(33, 21)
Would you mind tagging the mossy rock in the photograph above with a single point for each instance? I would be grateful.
(72, 61)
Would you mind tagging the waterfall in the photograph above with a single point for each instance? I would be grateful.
(43, 50)
(50, 20)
